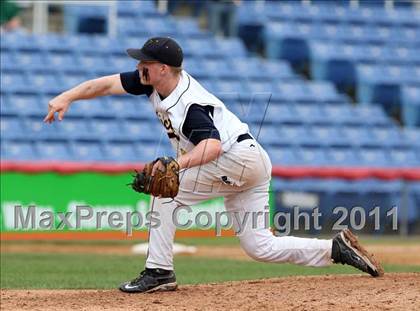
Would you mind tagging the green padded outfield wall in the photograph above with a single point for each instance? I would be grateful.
(53, 193)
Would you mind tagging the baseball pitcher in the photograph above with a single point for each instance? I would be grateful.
(216, 156)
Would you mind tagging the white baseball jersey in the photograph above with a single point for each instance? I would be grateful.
(172, 112)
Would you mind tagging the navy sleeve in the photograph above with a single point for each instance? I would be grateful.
(198, 124)
(132, 85)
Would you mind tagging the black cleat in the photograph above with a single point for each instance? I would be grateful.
(151, 280)
(346, 249)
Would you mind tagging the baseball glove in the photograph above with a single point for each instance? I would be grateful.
(164, 183)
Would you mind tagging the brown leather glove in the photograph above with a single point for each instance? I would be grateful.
(164, 183)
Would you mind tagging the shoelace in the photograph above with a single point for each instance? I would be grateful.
(138, 279)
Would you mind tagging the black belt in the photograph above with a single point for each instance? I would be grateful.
(243, 137)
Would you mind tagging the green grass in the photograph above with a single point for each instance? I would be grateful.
(367, 239)
(222, 241)
(42, 270)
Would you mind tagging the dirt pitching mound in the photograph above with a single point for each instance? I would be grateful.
(333, 292)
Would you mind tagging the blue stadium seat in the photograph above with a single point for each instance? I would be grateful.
(284, 156)
(128, 26)
(209, 85)
(19, 41)
(91, 62)
(231, 88)
(399, 55)
(371, 114)
(411, 105)
(313, 156)
(136, 8)
(17, 150)
(54, 43)
(323, 91)
(295, 91)
(31, 60)
(98, 107)
(193, 66)
(37, 129)
(334, 62)
(120, 63)
(200, 48)
(342, 157)
(13, 82)
(277, 70)
(261, 91)
(408, 37)
(359, 136)
(314, 114)
(63, 61)
(71, 79)
(85, 19)
(104, 45)
(8, 60)
(130, 107)
(189, 28)
(374, 85)
(249, 111)
(137, 130)
(341, 114)
(45, 82)
(383, 34)
(28, 104)
(82, 43)
(412, 135)
(288, 41)
(231, 47)
(146, 152)
(217, 68)
(159, 26)
(12, 127)
(267, 135)
(106, 129)
(120, 152)
(88, 150)
(281, 113)
(6, 106)
(404, 157)
(296, 135)
(75, 128)
(246, 67)
(400, 74)
(326, 135)
(53, 150)
(389, 136)
(373, 157)
(390, 17)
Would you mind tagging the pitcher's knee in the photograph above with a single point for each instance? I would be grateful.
(257, 252)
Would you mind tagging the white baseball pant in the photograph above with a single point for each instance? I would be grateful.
(245, 190)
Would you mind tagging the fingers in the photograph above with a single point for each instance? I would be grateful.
(50, 117)
(61, 114)
(51, 114)
(157, 166)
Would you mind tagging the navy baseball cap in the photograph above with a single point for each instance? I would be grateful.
(162, 49)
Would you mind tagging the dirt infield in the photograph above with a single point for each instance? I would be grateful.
(345, 292)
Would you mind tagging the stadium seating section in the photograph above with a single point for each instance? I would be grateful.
(372, 49)
(299, 122)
